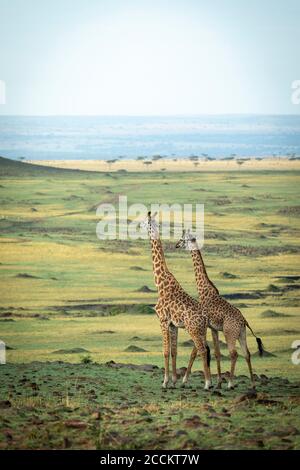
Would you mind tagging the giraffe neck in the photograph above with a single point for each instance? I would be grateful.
(204, 284)
(159, 262)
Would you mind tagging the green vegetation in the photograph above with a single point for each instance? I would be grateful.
(90, 406)
(73, 303)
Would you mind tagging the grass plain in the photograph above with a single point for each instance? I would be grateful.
(68, 298)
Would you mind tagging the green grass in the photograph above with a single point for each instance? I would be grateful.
(107, 338)
(92, 406)
(62, 288)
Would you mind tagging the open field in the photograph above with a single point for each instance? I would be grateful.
(62, 289)
(177, 164)
(59, 406)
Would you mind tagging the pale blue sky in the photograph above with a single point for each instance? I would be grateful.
(151, 57)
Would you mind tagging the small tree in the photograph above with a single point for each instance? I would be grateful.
(86, 359)
(110, 162)
(155, 158)
(147, 163)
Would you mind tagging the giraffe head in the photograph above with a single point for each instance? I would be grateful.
(151, 225)
(187, 241)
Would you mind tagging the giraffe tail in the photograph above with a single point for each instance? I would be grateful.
(208, 355)
(258, 340)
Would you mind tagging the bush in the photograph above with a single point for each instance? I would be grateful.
(86, 359)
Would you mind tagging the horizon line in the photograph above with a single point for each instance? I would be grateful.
(151, 115)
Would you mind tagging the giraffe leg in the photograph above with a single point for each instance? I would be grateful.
(200, 344)
(246, 352)
(215, 337)
(166, 347)
(174, 337)
(190, 365)
(233, 356)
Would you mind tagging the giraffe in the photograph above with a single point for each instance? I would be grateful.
(176, 309)
(222, 316)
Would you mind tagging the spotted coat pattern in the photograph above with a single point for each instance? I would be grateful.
(221, 314)
(176, 309)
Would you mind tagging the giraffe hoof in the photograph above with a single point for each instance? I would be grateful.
(208, 385)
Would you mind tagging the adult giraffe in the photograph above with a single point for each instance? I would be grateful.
(176, 309)
(222, 315)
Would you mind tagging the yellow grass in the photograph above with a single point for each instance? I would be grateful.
(181, 165)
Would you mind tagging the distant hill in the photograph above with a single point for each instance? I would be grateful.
(16, 168)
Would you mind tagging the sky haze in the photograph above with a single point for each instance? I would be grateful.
(127, 57)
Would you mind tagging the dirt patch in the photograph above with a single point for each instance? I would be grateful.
(16, 313)
(243, 295)
(137, 268)
(241, 250)
(103, 332)
(273, 288)
(288, 278)
(142, 367)
(290, 287)
(27, 276)
(103, 310)
(190, 344)
(215, 236)
(221, 201)
(290, 210)
(4, 404)
(227, 275)
(272, 314)
(119, 246)
(70, 351)
(145, 289)
(76, 424)
(133, 348)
